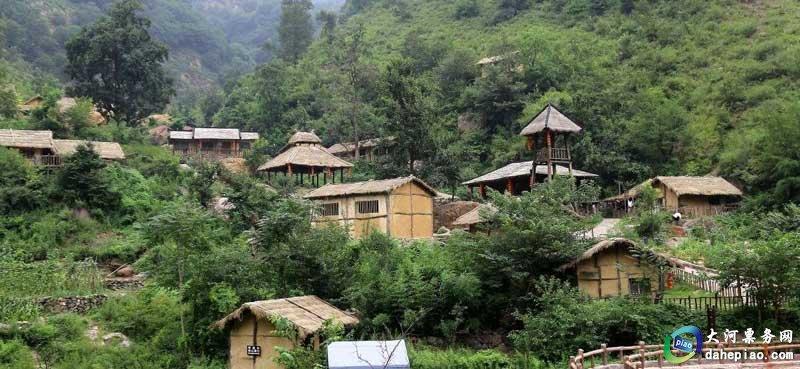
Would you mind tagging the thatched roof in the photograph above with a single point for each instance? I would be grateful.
(523, 168)
(495, 59)
(304, 137)
(106, 150)
(26, 139)
(249, 136)
(552, 119)
(598, 248)
(307, 313)
(311, 156)
(212, 134)
(346, 147)
(475, 216)
(632, 192)
(366, 188)
(216, 133)
(707, 186)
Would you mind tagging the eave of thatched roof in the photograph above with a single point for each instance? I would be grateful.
(106, 150)
(475, 216)
(249, 136)
(366, 188)
(306, 313)
(180, 135)
(598, 248)
(26, 139)
(706, 186)
(523, 168)
(552, 119)
(305, 155)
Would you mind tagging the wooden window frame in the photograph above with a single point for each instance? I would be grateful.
(330, 209)
(368, 207)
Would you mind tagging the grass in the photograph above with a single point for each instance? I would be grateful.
(682, 290)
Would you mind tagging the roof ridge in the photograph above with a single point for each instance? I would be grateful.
(288, 299)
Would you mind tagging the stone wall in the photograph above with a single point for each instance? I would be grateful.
(74, 304)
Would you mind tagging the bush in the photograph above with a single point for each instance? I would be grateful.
(80, 182)
(15, 355)
(20, 187)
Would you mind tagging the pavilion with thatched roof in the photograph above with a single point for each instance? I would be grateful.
(545, 130)
(515, 178)
(304, 156)
(253, 328)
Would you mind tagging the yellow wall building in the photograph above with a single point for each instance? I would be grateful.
(609, 269)
(399, 207)
(253, 336)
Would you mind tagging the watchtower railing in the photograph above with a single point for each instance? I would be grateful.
(643, 356)
(556, 154)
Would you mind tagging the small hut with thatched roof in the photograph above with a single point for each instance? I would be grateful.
(474, 217)
(610, 268)
(303, 156)
(211, 143)
(697, 196)
(400, 207)
(367, 149)
(515, 178)
(253, 331)
(36, 146)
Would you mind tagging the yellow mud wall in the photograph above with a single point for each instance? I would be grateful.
(242, 335)
(609, 273)
(357, 224)
(411, 212)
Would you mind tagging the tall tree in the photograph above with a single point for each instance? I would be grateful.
(118, 64)
(328, 21)
(296, 30)
(409, 113)
(348, 56)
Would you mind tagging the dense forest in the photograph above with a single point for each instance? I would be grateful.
(660, 87)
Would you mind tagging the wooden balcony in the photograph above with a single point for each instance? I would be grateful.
(209, 154)
(557, 154)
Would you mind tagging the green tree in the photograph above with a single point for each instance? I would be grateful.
(296, 29)
(328, 20)
(81, 183)
(507, 9)
(20, 189)
(118, 64)
(410, 114)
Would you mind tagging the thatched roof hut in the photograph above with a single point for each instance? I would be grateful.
(704, 186)
(106, 150)
(26, 139)
(227, 134)
(632, 192)
(552, 119)
(598, 248)
(475, 216)
(367, 188)
(306, 313)
(304, 137)
(349, 148)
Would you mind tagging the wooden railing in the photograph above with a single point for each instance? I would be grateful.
(652, 356)
(46, 160)
(706, 280)
(556, 154)
(717, 302)
(705, 211)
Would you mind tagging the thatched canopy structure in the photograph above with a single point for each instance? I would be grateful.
(705, 186)
(475, 216)
(303, 156)
(211, 134)
(26, 139)
(365, 147)
(306, 313)
(516, 177)
(106, 150)
(367, 188)
(633, 192)
(552, 119)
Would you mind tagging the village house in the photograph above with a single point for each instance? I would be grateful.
(211, 143)
(42, 149)
(473, 218)
(399, 207)
(610, 268)
(31, 104)
(304, 158)
(515, 178)
(254, 336)
(691, 196)
(367, 149)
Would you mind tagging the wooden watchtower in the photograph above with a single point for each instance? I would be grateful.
(550, 131)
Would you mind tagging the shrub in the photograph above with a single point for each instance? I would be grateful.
(15, 355)
(80, 182)
(20, 187)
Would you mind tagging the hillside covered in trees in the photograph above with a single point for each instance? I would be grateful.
(660, 87)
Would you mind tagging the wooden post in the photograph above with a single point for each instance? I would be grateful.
(482, 190)
(549, 139)
(580, 357)
(569, 155)
(510, 186)
(289, 168)
(313, 177)
(530, 144)
(641, 353)
(604, 347)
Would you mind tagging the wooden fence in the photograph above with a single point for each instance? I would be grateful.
(705, 279)
(643, 356)
(718, 302)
